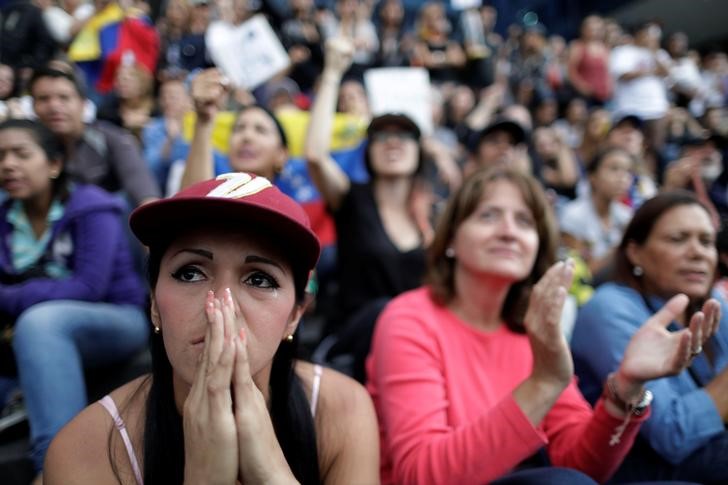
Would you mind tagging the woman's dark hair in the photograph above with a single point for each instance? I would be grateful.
(271, 115)
(15, 87)
(640, 228)
(596, 162)
(57, 71)
(50, 145)
(463, 203)
(721, 244)
(420, 160)
(290, 408)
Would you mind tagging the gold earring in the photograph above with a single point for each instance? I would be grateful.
(289, 338)
(157, 330)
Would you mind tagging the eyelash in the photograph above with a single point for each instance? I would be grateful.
(186, 269)
(269, 282)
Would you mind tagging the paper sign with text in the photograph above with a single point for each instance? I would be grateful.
(401, 90)
(249, 54)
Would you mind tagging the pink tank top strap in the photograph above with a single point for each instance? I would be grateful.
(315, 387)
(108, 403)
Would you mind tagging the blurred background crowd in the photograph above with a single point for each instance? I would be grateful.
(606, 104)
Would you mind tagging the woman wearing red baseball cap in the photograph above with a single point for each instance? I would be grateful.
(226, 401)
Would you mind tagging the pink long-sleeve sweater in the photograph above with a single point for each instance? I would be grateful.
(443, 395)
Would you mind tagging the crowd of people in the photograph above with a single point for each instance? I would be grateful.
(531, 287)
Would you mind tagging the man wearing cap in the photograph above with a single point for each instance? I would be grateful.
(502, 141)
(626, 133)
(98, 153)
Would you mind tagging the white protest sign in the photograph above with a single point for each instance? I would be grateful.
(465, 4)
(249, 54)
(401, 90)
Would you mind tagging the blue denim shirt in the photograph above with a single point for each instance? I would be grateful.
(684, 417)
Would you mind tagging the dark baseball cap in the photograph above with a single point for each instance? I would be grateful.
(517, 132)
(401, 120)
(630, 118)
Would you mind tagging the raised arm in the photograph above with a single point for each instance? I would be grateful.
(491, 99)
(566, 171)
(329, 178)
(208, 91)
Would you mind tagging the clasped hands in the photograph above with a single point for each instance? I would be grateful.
(228, 432)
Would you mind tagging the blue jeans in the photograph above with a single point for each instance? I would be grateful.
(53, 342)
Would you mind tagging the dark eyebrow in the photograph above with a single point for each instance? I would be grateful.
(201, 252)
(253, 258)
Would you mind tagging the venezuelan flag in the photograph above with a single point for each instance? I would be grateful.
(347, 149)
(107, 37)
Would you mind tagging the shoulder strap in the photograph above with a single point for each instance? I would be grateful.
(108, 403)
(315, 387)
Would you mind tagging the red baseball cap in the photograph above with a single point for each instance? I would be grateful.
(231, 198)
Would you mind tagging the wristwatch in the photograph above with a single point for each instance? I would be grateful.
(636, 408)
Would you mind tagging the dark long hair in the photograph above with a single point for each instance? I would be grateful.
(51, 146)
(639, 230)
(289, 410)
(640, 227)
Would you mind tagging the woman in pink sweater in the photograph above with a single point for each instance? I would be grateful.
(471, 375)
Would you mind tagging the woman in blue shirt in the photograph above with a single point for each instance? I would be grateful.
(668, 248)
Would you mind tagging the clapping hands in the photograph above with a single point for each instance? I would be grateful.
(655, 352)
(551, 356)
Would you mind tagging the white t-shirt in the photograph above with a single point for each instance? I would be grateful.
(579, 219)
(59, 22)
(645, 96)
